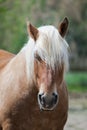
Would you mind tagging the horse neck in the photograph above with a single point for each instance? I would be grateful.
(29, 82)
(20, 66)
(14, 80)
(26, 66)
(15, 69)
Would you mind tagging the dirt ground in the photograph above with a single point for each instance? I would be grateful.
(77, 116)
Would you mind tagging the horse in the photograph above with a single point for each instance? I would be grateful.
(33, 92)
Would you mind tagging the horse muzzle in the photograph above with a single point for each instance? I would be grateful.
(47, 101)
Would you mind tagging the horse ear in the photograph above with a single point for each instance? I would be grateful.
(63, 27)
(32, 31)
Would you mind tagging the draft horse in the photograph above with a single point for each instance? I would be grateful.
(33, 93)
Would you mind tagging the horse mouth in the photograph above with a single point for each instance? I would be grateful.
(47, 108)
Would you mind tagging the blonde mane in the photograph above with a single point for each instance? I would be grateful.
(50, 46)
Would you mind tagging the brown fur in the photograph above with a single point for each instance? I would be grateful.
(5, 57)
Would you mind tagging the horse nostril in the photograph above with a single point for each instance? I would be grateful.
(55, 96)
(39, 97)
(42, 99)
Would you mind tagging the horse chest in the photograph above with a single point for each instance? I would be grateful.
(32, 118)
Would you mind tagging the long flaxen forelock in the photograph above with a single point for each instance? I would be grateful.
(50, 46)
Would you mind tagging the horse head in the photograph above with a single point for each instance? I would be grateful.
(50, 61)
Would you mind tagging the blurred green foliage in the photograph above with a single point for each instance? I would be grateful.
(14, 14)
(77, 82)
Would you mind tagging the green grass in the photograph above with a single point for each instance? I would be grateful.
(77, 81)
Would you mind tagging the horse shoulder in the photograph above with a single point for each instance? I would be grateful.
(5, 57)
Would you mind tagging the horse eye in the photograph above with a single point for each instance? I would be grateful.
(37, 57)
